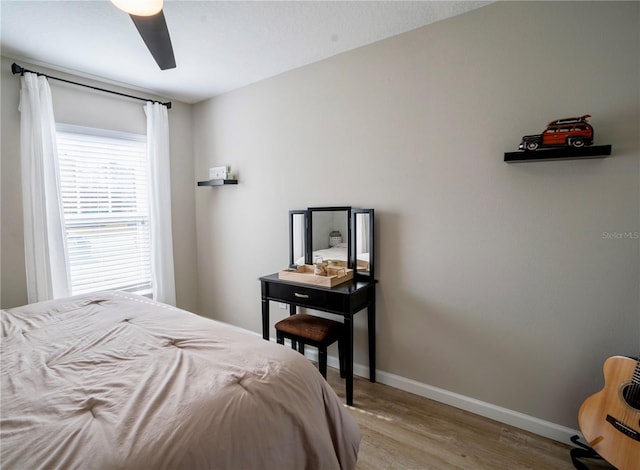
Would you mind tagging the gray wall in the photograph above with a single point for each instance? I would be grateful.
(497, 281)
(84, 107)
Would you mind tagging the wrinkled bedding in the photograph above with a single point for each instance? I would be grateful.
(114, 380)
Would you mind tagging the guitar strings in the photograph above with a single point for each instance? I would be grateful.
(628, 397)
(631, 400)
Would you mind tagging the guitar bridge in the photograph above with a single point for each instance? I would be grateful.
(623, 428)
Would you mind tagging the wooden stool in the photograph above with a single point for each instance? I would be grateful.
(314, 331)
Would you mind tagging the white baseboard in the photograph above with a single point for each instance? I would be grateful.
(503, 415)
(497, 413)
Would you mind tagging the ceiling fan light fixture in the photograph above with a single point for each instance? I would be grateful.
(139, 7)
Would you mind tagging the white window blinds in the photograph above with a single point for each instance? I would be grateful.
(103, 176)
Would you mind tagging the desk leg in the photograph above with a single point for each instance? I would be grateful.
(371, 328)
(294, 344)
(348, 359)
(265, 313)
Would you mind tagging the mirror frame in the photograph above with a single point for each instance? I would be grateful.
(351, 238)
(305, 218)
(354, 243)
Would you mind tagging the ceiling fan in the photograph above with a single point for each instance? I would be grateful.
(148, 17)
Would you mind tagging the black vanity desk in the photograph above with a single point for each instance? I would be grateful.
(344, 299)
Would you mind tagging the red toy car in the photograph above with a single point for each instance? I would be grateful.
(573, 132)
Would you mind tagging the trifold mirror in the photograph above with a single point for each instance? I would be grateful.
(340, 234)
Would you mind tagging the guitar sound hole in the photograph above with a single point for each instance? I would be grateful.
(631, 395)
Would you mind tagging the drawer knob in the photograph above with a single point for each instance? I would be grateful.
(301, 296)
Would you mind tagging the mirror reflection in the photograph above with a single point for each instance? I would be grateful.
(297, 237)
(330, 235)
(363, 240)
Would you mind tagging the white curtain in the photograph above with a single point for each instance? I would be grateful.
(44, 239)
(162, 274)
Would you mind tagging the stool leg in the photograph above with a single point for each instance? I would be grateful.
(293, 345)
(301, 347)
(322, 360)
(279, 337)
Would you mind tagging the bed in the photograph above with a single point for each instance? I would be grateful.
(114, 380)
(338, 253)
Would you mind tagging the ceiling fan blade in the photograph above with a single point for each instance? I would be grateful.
(155, 34)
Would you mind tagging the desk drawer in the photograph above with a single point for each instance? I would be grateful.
(305, 297)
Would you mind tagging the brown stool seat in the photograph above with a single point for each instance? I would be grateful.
(315, 331)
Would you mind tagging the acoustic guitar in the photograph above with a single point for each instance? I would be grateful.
(610, 419)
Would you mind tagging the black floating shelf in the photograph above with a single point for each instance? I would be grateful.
(216, 182)
(559, 153)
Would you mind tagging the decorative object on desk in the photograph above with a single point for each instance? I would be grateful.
(568, 132)
(306, 274)
(610, 419)
(218, 173)
(320, 266)
(337, 263)
(335, 238)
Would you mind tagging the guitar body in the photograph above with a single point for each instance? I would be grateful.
(610, 419)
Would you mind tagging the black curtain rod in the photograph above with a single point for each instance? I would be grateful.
(15, 68)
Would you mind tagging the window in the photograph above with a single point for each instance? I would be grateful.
(103, 183)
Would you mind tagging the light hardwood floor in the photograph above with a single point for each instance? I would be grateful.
(404, 431)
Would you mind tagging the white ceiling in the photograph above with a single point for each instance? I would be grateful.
(219, 45)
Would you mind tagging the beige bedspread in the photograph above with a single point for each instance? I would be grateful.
(113, 380)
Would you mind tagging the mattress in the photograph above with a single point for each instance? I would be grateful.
(114, 380)
(338, 253)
